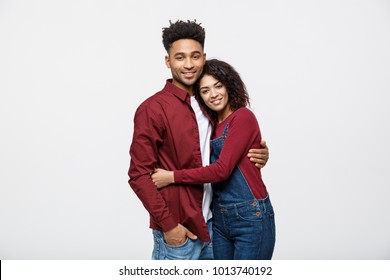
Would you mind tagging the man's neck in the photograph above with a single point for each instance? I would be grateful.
(184, 87)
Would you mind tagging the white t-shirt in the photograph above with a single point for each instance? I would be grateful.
(204, 140)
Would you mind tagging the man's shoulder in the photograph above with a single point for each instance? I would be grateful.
(156, 99)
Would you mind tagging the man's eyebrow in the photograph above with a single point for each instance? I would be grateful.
(182, 53)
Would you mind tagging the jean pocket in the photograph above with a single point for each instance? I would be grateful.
(249, 212)
(183, 251)
(177, 246)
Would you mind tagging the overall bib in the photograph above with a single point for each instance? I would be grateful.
(243, 226)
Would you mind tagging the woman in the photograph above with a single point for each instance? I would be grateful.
(243, 216)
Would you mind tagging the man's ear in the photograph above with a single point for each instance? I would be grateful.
(167, 61)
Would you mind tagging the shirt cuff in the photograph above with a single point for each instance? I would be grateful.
(178, 176)
(168, 224)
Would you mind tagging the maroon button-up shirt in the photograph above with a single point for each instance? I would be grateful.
(166, 136)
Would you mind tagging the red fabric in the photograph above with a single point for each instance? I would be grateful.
(243, 134)
(166, 136)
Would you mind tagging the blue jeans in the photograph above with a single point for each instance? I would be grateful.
(189, 250)
(244, 231)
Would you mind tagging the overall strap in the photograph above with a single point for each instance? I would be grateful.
(225, 131)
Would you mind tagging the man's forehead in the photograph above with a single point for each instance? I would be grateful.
(186, 46)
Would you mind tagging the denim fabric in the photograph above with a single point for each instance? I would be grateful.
(243, 226)
(235, 189)
(189, 250)
(244, 231)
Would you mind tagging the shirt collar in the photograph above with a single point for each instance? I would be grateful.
(184, 96)
(175, 90)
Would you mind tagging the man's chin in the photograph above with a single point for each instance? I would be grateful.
(189, 82)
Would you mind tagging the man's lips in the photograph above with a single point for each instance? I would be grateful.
(188, 74)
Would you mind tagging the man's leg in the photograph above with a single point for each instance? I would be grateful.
(189, 250)
(207, 249)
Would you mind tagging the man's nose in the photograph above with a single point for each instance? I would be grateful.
(188, 63)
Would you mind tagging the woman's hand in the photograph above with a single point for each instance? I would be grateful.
(162, 178)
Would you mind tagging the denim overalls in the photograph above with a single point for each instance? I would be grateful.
(243, 226)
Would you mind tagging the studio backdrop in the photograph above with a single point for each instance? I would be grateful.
(72, 74)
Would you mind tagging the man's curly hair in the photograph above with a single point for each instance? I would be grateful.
(230, 78)
(183, 30)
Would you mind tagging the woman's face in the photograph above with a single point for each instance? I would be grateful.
(215, 96)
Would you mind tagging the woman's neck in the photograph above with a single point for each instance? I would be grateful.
(224, 115)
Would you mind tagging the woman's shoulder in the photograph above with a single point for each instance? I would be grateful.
(244, 121)
(244, 114)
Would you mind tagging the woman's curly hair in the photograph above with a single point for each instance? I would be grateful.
(183, 30)
(229, 77)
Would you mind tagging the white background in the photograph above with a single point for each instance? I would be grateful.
(73, 72)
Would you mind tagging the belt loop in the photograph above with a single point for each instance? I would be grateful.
(263, 205)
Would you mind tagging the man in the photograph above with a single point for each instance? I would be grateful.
(172, 132)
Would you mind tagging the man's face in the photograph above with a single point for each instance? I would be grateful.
(186, 60)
